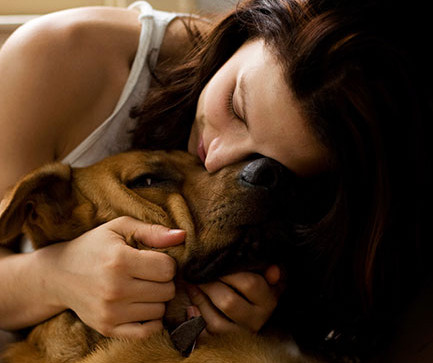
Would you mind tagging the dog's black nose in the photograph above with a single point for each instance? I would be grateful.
(266, 173)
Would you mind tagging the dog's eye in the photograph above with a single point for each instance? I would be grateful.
(144, 181)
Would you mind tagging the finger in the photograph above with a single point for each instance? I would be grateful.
(148, 265)
(233, 306)
(155, 235)
(136, 330)
(252, 286)
(139, 312)
(152, 235)
(216, 322)
(105, 320)
(141, 291)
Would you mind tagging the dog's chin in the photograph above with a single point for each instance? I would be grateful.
(252, 250)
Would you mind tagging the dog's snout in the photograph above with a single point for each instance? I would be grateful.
(266, 173)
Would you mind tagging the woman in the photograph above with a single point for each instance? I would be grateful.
(307, 84)
(360, 95)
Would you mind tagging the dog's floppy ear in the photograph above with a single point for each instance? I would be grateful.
(35, 197)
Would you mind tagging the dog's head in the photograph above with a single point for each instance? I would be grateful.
(235, 219)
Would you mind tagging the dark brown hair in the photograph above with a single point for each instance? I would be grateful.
(358, 90)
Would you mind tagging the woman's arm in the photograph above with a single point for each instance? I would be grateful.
(111, 286)
(61, 75)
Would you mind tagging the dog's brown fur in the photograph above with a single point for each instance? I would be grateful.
(58, 203)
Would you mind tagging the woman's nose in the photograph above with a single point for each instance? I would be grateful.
(221, 154)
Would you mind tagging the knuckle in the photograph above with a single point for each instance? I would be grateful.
(216, 326)
(121, 220)
(229, 303)
(114, 224)
(167, 267)
(154, 228)
(114, 259)
(111, 293)
(154, 231)
(250, 284)
(120, 224)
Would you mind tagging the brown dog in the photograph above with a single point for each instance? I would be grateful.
(233, 222)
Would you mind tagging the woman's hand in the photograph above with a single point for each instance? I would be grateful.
(241, 300)
(116, 289)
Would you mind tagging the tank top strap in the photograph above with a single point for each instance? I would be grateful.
(154, 24)
(114, 134)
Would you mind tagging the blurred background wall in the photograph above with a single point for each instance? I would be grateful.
(13, 13)
(43, 6)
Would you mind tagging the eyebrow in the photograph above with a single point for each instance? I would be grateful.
(243, 95)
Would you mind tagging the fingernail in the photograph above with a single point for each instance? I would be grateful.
(273, 275)
(176, 236)
(175, 231)
(192, 312)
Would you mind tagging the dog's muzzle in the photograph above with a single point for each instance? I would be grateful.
(269, 187)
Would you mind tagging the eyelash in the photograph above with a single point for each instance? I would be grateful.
(230, 106)
(229, 103)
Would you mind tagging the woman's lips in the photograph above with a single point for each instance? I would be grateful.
(200, 150)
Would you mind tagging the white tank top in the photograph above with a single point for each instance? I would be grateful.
(114, 134)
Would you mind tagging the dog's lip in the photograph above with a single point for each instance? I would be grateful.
(200, 150)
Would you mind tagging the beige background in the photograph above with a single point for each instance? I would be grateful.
(8, 7)
(13, 13)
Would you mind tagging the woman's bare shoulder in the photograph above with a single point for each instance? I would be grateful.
(61, 75)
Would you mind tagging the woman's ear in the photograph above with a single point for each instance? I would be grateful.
(33, 200)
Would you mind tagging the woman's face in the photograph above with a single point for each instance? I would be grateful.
(247, 108)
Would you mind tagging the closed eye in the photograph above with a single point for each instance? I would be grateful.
(231, 107)
(229, 104)
(145, 181)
